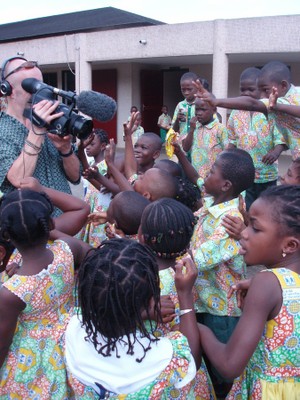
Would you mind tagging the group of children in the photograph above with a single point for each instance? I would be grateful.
(153, 315)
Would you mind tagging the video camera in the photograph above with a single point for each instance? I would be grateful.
(70, 123)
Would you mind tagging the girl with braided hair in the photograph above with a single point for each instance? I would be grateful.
(166, 228)
(35, 303)
(109, 351)
(264, 347)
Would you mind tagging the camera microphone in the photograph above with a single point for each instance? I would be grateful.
(99, 106)
(96, 105)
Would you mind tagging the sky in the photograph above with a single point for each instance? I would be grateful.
(169, 11)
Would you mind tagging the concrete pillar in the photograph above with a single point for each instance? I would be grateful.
(220, 64)
(83, 68)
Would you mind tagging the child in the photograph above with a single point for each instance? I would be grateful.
(164, 123)
(123, 214)
(216, 254)
(138, 130)
(292, 176)
(167, 227)
(35, 303)
(206, 138)
(273, 74)
(169, 166)
(185, 109)
(154, 183)
(97, 199)
(109, 351)
(264, 347)
(251, 131)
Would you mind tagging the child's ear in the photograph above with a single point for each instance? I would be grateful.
(291, 244)
(103, 146)
(285, 86)
(156, 154)
(226, 186)
(147, 195)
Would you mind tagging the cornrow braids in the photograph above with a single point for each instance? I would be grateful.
(102, 134)
(115, 285)
(167, 227)
(284, 202)
(25, 217)
(187, 193)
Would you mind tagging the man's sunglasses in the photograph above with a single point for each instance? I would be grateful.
(25, 65)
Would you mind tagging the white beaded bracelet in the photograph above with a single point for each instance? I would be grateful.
(182, 312)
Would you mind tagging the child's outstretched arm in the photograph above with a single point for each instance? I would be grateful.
(130, 165)
(75, 210)
(262, 303)
(98, 180)
(185, 276)
(189, 170)
(286, 108)
(237, 103)
(81, 153)
(118, 177)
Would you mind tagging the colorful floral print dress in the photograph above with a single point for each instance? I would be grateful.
(34, 367)
(273, 371)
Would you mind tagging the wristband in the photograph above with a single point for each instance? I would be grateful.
(182, 312)
(67, 154)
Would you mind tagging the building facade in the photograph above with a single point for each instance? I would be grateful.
(140, 63)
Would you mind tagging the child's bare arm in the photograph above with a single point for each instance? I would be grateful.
(81, 153)
(185, 276)
(189, 170)
(231, 359)
(118, 177)
(130, 161)
(238, 103)
(187, 142)
(75, 210)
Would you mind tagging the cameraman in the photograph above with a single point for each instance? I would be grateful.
(26, 150)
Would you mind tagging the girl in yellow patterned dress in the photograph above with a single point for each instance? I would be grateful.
(35, 303)
(265, 346)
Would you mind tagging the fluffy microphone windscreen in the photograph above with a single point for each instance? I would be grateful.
(97, 105)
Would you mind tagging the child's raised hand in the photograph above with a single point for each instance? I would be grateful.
(204, 94)
(109, 152)
(84, 143)
(193, 122)
(31, 183)
(273, 99)
(240, 289)
(91, 173)
(233, 226)
(131, 126)
(97, 218)
(185, 275)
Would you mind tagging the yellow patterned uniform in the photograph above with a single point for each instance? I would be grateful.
(273, 371)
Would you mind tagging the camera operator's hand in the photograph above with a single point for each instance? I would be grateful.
(45, 110)
(62, 143)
